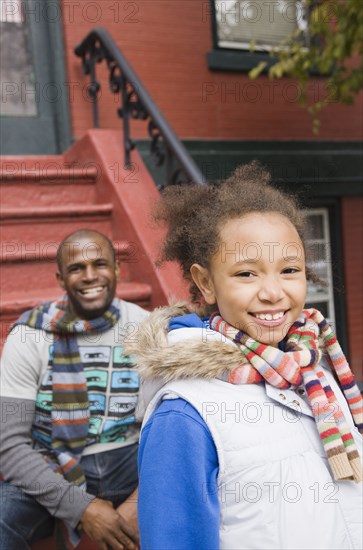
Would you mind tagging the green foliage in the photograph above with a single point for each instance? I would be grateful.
(335, 31)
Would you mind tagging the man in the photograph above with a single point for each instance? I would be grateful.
(69, 426)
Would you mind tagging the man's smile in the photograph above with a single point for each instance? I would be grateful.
(94, 291)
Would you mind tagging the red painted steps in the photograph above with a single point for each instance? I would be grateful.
(40, 212)
(28, 235)
(67, 187)
(34, 224)
(43, 199)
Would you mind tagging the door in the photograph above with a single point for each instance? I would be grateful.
(34, 117)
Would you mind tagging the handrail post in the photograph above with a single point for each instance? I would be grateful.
(93, 91)
(128, 145)
(168, 166)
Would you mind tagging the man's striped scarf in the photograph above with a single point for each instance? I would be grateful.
(299, 364)
(70, 406)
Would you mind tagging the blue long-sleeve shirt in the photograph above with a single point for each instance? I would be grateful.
(178, 468)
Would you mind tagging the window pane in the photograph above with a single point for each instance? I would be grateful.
(315, 227)
(318, 252)
(318, 258)
(265, 23)
(16, 65)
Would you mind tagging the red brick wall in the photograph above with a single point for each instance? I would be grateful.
(167, 41)
(352, 213)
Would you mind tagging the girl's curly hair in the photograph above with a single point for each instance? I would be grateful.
(195, 215)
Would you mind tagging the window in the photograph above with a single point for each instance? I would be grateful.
(16, 63)
(319, 259)
(265, 23)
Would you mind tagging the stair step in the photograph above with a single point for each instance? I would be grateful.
(46, 168)
(30, 161)
(45, 175)
(14, 304)
(46, 180)
(39, 212)
(40, 194)
(26, 226)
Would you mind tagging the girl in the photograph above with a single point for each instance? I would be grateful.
(248, 442)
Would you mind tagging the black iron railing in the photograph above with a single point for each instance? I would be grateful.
(136, 103)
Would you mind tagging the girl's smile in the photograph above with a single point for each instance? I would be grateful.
(257, 277)
(270, 318)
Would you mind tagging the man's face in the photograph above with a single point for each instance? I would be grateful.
(88, 274)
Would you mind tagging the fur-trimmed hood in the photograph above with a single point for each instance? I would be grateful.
(198, 358)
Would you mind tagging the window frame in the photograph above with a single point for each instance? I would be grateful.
(48, 132)
(333, 206)
(231, 59)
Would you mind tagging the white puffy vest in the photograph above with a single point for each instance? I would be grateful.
(275, 487)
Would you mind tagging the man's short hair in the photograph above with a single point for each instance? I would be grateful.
(81, 233)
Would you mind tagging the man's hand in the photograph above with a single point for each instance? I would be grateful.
(107, 528)
(128, 511)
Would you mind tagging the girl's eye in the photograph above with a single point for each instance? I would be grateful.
(245, 274)
(290, 270)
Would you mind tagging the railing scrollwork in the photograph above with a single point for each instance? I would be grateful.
(165, 147)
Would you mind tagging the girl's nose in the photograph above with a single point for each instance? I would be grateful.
(270, 290)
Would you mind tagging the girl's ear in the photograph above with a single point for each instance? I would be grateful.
(203, 280)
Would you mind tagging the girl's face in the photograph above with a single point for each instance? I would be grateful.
(257, 277)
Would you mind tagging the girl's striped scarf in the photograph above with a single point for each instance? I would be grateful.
(70, 406)
(299, 364)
